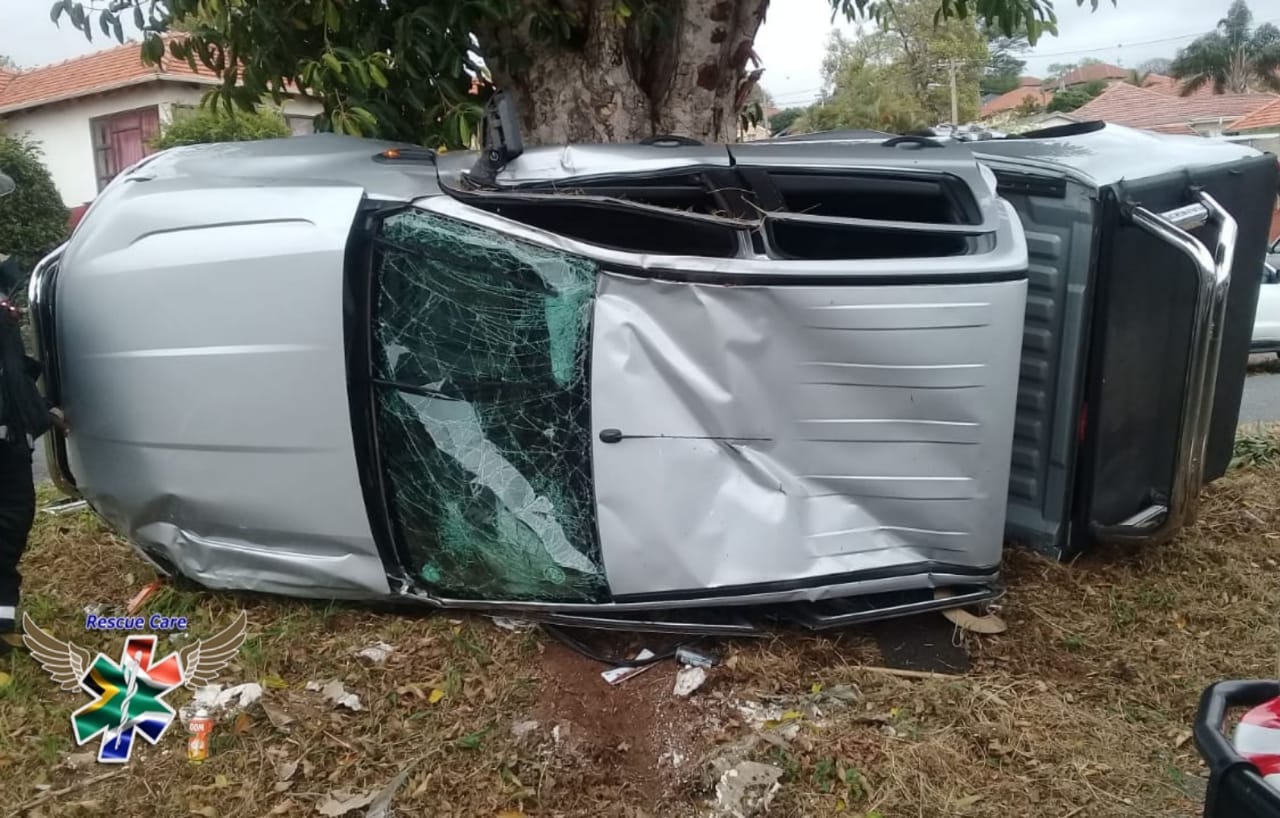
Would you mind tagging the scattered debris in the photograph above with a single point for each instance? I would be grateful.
(689, 679)
(696, 658)
(376, 653)
(747, 789)
(986, 625)
(75, 760)
(618, 675)
(522, 729)
(278, 718)
(334, 691)
(340, 802)
(381, 805)
(65, 507)
(221, 703)
(139, 599)
(516, 625)
(94, 609)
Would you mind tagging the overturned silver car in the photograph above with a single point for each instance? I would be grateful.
(593, 383)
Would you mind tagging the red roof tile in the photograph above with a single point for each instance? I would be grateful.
(1268, 116)
(1013, 99)
(1125, 104)
(1094, 72)
(5, 78)
(90, 74)
(1173, 87)
(1025, 81)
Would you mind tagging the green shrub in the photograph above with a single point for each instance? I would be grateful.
(33, 220)
(217, 125)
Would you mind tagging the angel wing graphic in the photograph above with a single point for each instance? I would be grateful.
(202, 660)
(66, 662)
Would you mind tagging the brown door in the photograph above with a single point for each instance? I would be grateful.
(122, 139)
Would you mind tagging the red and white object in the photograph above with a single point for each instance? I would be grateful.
(1257, 739)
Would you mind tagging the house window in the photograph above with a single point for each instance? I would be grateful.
(122, 139)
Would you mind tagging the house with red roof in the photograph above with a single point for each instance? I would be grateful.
(1196, 115)
(96, 115)
(1260, 127)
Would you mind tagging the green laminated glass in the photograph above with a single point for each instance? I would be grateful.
(483, 347)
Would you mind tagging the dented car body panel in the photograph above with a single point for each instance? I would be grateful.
(202, 351)
(612, 379)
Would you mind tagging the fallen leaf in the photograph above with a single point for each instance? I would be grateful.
(5, 679)
(273, 682)
(285, 771)
(281, 786)
(510, 813)
(968, 801)
(207, 812)
(341, 802)
(278, 718)
(436, 695)
(380, 807)
(815, 688)
(243, 723)
(1182, 738)
(283, 807)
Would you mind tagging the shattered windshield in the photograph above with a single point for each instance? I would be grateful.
(482, 354)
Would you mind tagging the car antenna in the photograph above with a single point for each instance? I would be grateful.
(500, 139)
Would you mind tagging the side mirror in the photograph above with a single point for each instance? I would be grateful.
(6, 185)
(1269, 274)
(500, 138)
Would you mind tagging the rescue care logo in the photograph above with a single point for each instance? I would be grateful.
(128, 696)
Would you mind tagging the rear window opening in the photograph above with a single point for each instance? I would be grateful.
(893, 198)
(634, 231)
(685, 193)
(822, 242)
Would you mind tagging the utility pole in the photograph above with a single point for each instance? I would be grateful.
(955, 107)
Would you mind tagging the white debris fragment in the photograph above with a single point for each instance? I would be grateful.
(618, 675)
(94, 609)
(220, 702)
(696, 658)
(521, 729)
(334, 691)
(689, 679)
(747, 789)
(560, 732)
(376, 653)
(516, 625)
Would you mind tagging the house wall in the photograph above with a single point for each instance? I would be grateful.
(64, 134)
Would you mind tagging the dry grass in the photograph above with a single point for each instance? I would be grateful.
(1082, 708)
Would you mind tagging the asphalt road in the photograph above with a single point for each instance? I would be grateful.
(1261, 402)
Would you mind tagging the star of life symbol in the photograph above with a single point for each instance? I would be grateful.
(128, 696)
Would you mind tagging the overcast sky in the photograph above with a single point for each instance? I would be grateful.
(791, 41)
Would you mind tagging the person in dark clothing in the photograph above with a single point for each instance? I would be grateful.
(25, 415)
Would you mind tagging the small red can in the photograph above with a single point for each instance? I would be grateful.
(200, 727)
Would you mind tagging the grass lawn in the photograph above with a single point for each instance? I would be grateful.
(1083, 708)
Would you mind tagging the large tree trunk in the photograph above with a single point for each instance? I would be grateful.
(620, 82)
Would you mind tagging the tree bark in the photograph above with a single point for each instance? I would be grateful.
(616, 85)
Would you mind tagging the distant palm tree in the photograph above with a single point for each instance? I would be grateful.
(1235, 58)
